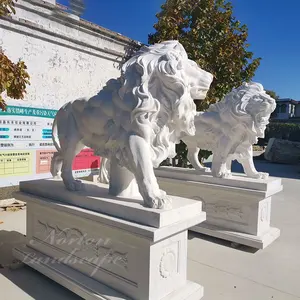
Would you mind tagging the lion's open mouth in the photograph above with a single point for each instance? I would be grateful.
(198, 93)
(262, 120)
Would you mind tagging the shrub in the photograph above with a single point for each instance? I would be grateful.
(286, 131)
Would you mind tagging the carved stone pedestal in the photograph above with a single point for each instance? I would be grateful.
(237, 209)
(109, 248)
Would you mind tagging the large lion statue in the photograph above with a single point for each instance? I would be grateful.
(135, 121)
(230, 128)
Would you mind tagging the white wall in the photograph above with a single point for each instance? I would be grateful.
(66, 58)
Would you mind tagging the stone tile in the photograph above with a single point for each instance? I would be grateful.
(221, 285)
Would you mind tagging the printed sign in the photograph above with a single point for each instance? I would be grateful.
(15, 163)
(26, 146)
(43, 161)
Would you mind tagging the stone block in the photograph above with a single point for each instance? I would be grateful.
(238, 209)
(98, 253)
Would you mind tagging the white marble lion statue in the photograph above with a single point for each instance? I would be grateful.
(134, 121)
(229, 128)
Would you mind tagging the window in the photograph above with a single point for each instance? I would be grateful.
(283, 108)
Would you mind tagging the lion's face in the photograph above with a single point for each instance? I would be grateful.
(199, 81)
(160, 84)
(260, 107)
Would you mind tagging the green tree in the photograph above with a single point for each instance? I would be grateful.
(13, 76)
(272, 94)
(276, 97)
(214, 39)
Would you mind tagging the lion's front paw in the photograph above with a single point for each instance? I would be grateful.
(203, 170)
(160, 200)
(74, 185)
(222, 174)
(260, 175)
(226, 175)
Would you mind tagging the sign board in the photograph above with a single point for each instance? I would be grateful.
(26, 146)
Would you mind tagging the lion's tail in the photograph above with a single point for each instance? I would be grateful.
(55, 135)
(104, 172)
(58, 128)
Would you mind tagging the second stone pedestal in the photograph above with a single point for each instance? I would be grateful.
(238, 209)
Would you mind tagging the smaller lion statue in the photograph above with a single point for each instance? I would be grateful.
(229, 128)
(134, 121)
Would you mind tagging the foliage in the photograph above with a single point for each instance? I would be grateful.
(13, 76)
(257, 148)
(272, 94)
(181, 155)
(287, 131)
(213, 38)
(7, 7)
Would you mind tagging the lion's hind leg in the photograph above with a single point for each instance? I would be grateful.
(68, 154)
(227, 168)
(56, 165)
(192, 156)
(221, 157)
(246, 160)
(122, 182)
(140, 164)
(250, 170)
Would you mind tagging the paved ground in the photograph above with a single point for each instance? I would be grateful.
(226, 273)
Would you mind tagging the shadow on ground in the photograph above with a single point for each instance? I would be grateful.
(9, 240)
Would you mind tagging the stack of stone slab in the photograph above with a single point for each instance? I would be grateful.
(103, 247)
(238, 209)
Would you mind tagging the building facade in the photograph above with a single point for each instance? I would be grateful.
(287, 110)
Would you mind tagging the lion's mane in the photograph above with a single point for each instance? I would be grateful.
(247, 105)
(152, 90)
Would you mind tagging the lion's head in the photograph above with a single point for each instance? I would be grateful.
(250, 105)
(158, 85)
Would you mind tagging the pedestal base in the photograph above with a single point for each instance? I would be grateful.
(84, 286)
(100, 256)
(258, 242)
(237, 209)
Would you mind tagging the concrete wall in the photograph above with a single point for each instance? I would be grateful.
(66, 57)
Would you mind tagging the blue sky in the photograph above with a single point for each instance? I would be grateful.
(274, 33)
